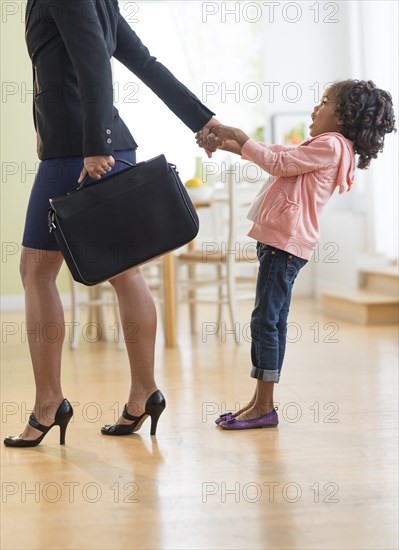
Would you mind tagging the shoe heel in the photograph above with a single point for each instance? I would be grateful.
(154, 422)
(63, 426)
(154, 408)
(63, 418)
(62, 433)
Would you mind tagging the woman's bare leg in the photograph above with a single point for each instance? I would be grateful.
(45, 331)
(139, 322)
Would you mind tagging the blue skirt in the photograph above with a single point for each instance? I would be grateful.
(55, 177)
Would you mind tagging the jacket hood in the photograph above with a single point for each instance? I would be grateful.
(345, 175)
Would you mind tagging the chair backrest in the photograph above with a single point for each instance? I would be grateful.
(230, 204)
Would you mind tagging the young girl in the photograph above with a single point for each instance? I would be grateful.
(352, 118)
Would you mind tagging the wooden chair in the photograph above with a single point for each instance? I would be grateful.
(223, 257)
(97, 299)
(100, 300)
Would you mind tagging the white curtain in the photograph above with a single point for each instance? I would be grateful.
(375, 57)
(153, 125)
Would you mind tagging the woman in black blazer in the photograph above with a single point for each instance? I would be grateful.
(78, 133)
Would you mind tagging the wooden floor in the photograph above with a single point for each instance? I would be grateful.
(324, 479)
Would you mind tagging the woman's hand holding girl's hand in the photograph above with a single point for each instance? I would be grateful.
(96, 166)
(217, 136)
(201, 136)
(227, 133)
(213, 142)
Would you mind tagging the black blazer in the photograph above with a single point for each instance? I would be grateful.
(70, 43)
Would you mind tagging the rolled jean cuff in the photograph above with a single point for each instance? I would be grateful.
(266, 375)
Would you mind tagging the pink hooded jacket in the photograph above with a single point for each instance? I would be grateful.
(286, 215)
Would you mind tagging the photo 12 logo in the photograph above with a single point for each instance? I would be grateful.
(69, 492)
(270, 12)
(270, 91)
(269, 491)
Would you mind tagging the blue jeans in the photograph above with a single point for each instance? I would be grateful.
(277, 272)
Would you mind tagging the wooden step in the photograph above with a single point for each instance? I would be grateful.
(361, 306)
(383, 280)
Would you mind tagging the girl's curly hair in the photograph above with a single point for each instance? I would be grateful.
(366, 115)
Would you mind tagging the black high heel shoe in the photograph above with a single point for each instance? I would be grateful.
(62, 417)
(154, 407)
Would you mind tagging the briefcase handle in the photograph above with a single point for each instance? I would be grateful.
(116, 160)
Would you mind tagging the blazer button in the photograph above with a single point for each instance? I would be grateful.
(109, 140)
(108, 131)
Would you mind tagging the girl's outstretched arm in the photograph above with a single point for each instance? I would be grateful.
(229, 145)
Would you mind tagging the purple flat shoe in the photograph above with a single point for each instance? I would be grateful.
(269, 420)
(224, 416)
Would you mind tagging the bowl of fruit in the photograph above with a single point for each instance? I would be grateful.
(197, 190)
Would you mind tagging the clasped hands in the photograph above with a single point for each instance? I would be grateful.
(217, 136)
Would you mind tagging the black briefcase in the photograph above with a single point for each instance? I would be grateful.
(123, 220)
